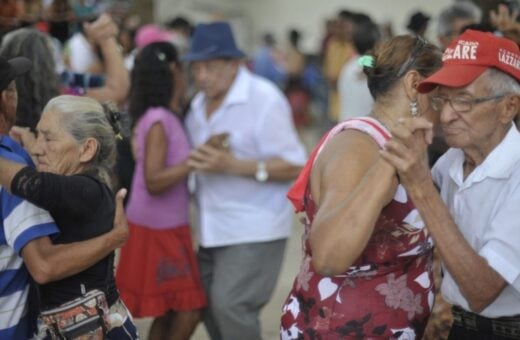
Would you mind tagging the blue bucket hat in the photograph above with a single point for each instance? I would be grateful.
(212, 41)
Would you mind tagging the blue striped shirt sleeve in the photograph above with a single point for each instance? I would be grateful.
(22, 221)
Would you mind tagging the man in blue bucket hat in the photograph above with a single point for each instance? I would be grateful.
(246, 153)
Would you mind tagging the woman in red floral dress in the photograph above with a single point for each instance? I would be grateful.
(367, 265)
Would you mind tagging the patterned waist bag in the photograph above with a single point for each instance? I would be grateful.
(81, 318)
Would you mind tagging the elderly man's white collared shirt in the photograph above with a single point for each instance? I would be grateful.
(486, 208)
(235, 209)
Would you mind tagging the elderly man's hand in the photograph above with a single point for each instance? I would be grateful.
(211, 159)
(406, 151)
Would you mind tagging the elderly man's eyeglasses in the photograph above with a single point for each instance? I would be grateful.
(461, 103)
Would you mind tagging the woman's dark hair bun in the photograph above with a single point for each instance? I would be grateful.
(114, 117)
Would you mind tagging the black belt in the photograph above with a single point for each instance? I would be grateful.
(506, 326)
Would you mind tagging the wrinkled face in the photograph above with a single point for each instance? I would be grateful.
(55, 149)
(214, 77)
(9, 105)
(476, 127)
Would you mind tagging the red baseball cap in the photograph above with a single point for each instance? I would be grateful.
(468, 56)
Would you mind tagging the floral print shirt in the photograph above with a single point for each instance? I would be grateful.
(388, 291)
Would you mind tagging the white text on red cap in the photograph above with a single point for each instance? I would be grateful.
(465, 50)
(509, 58)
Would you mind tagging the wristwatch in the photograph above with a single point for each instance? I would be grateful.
(261, 174)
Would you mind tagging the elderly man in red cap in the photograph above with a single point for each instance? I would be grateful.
(242, 175)
(474, 220)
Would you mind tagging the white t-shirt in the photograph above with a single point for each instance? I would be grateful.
(486, 208)
(236, 209)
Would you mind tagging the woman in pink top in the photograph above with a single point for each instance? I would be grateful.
(366, 269)
(157, 274)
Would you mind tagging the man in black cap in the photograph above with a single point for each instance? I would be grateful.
(25, 244)
(244, 216)
(9, 70)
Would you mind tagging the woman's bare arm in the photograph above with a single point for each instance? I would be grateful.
(351, 184)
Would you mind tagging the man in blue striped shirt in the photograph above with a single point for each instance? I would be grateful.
(26, 230)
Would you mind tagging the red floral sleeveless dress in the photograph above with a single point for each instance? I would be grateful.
(387, 293)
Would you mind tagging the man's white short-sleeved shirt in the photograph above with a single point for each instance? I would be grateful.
(486, 208)
(236, 209)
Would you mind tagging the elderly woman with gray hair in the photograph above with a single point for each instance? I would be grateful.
(74, 151)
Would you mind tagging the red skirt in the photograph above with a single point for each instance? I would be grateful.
(157, 272)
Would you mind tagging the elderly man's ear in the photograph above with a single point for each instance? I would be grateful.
(3, 100)
(4, 125)
(511, 108)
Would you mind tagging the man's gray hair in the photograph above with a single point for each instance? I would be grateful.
(500, 83)
(459, 10)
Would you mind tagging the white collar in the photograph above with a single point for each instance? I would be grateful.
(238, 92)
(499, 163)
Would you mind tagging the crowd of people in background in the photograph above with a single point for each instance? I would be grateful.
(195, 122)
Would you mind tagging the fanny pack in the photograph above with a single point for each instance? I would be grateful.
(84, 316)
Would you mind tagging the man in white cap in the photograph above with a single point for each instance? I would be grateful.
(241, 181)
(474, 220)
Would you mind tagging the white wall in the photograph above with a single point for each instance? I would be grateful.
(250, 18)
